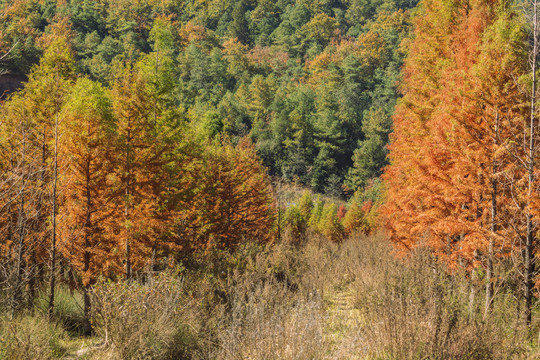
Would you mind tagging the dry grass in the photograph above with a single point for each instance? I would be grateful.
(30, 337)
(318, 300)
(142, 321)
(414, 309)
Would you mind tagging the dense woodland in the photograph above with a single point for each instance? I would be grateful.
(169, 167)
(312, 84)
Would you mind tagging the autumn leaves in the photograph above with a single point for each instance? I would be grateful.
(464, 148)
(114, 181)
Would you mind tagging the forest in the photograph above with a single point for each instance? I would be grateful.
(258, 179)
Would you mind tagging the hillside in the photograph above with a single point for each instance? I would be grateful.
(312, 84)
(257, 179)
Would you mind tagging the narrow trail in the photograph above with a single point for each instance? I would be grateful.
(82, 348)
(344, 325)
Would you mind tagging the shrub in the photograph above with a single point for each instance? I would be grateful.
(305, 205)
(142, 320)
(266, 322)
(415, 309)
(316, 213)
(354, 219)
(270, 312)
(232, 200)
(30, 337)
(329, 224)
(295, 223)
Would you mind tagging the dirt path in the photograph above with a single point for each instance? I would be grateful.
(344, 326)
(81, 348)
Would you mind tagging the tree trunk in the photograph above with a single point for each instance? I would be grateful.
(87, 325)
(472, 295)
(32, 269)
(126, 209)
(52, 281)
(489, 265)
(21, 227)
(86, 321)
(529, 244)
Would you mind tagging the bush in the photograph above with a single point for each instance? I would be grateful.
(415, 309)
(266, 321)
(316, 300)
(270, 311)
(295, 223)
(354, 220)
(30, 337)
(142, 321)
(329, 224)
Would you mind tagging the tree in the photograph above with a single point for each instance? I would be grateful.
(150, 128)
(48, 86)
(450, 147)
(34, 117)
(132, 109)
(491, 112)
(530, 159)
(409, 177)
(320, 29)
(329, 223)
(370, 157)
(19, 166)
(162, 166)
(239, 27)
(89, 132)
(305, 205)
(354, 219)
(232, 201)
(295, 222)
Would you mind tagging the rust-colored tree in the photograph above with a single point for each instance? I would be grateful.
(150, 154)
(19, 168)
(449, 150)
(32, 120)
(132, 108)
(412, 179)
(232, 201)
(86, 213)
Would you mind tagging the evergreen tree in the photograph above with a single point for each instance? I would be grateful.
(239, 26)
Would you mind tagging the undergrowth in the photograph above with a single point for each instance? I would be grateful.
(315, 300)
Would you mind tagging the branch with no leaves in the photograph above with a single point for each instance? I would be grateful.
(8, 52)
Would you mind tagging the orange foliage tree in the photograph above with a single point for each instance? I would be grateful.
(85, 227)
(450, 149)
(232, 200)
(148, 129)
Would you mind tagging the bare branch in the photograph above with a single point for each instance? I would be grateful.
(8, 52)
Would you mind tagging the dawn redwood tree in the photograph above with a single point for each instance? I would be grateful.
(231, 202)
(86, 214)
(132, 108)
(19, 165)
(48, 85)
(530, 160)
(32, 121)
(166, 143)
(149, 146)
(491, 117)
(409, 175)
(448, 148)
